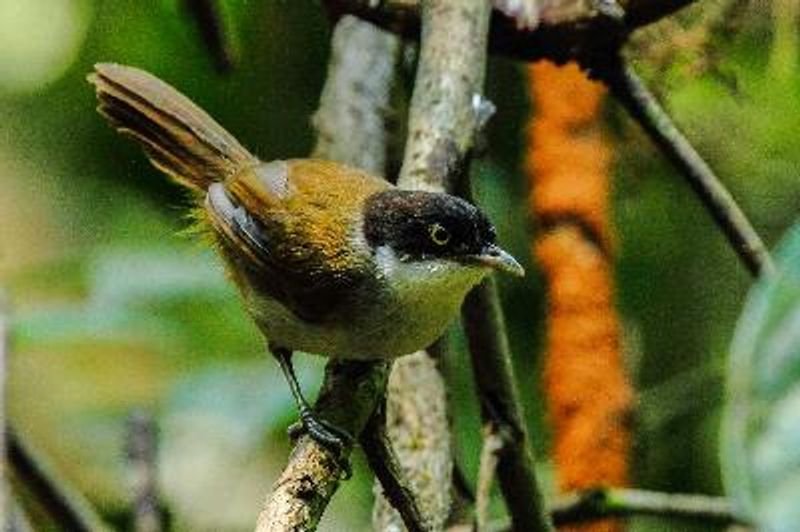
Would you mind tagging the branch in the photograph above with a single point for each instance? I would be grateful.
(141, 451)
(557, 40)
(351, 122)
(350, 392)
(442, 126)
(491, 364)
(386, 467)
(634, 96)
(492, 444)
(67, 508)
(600, 503)
(418, 430)
(443, 118)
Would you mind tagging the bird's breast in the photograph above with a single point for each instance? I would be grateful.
(407, 308)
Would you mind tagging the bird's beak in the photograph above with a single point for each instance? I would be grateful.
(499, 259)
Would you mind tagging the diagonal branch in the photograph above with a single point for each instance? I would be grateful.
(384, 463)
(350, 392)
(38, 482)
(609, 502)
(634, 96)
(500, 406)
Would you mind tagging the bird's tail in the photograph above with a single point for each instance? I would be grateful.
(179, 138)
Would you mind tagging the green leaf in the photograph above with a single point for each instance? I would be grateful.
(761, 427)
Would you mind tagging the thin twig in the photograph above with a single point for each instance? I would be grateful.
(64, 506)
(629, 90)
(500, 405)
(384, 464)
(600, 503)
(492, 444)
(141, 447)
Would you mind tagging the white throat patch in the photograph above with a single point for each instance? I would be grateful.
(439, 282)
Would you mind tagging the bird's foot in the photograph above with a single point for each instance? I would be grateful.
(327, 435)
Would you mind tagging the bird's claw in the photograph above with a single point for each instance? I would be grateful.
(327, 435)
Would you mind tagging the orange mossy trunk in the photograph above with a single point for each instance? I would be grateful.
(587, 391)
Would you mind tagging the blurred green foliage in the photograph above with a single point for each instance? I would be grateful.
(114, 310)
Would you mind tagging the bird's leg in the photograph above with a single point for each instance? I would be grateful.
(326, 434)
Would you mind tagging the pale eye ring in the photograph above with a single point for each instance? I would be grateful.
(439, 235)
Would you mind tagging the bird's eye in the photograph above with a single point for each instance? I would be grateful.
(439, 235)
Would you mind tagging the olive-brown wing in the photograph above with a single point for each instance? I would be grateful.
(309, 214)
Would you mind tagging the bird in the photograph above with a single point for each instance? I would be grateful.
(328, 258)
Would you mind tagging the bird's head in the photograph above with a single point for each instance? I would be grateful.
(427, 227)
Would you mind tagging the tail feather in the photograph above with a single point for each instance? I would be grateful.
(178, 137)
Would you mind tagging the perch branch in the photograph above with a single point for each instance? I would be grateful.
(634, 96)
(141, 451)
(349, 395)
(351, 390)
(491, 363)
(600, 503)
